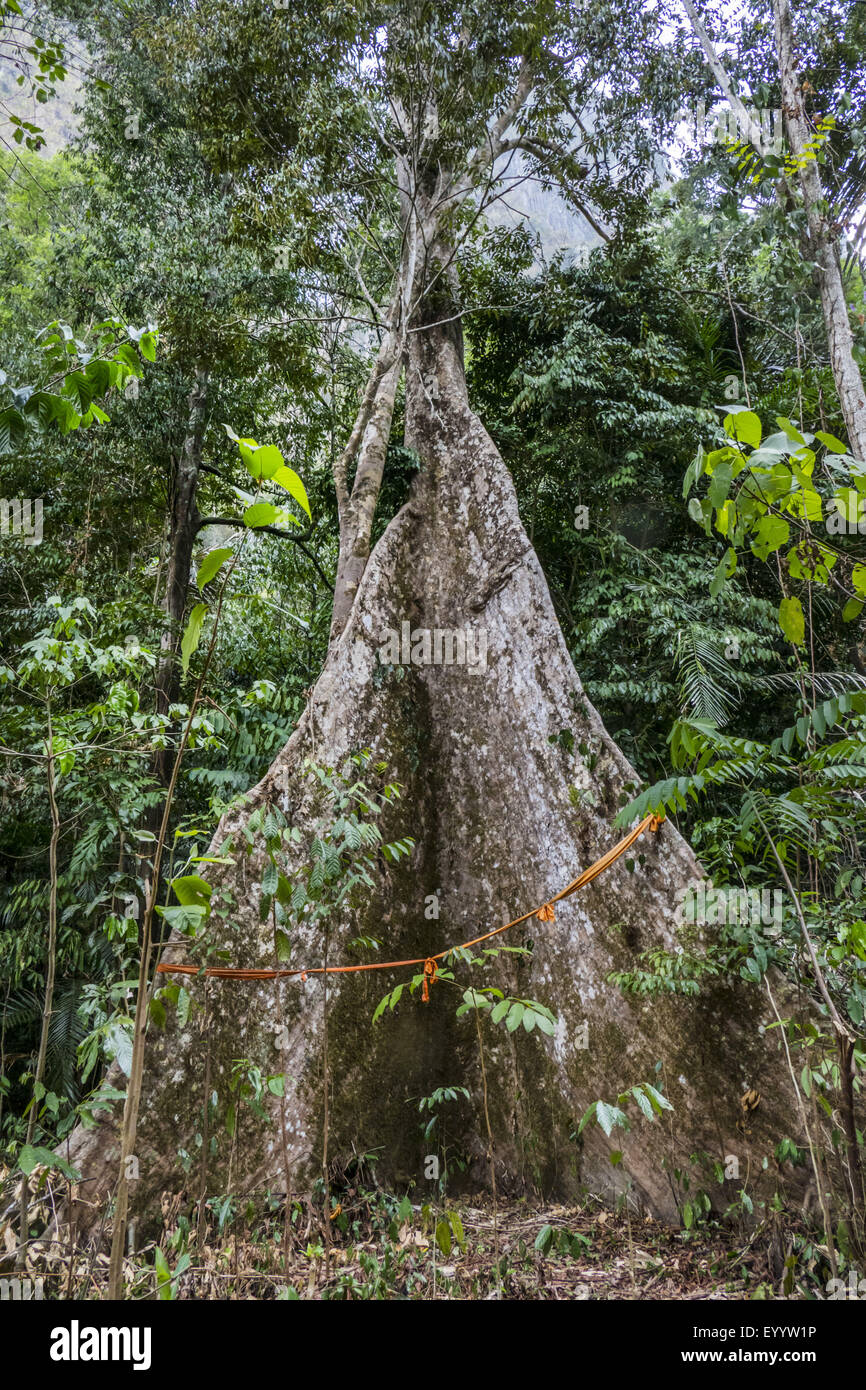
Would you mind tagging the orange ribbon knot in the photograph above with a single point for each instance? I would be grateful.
(431, 970)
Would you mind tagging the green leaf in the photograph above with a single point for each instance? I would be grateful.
(771, 533)
(31, 1155)
(644, 1102)
(163, 1274)
(443, 1237)
(544, 1239)
(288, 478)
(28, 1158)
(277, 1085)
(192, 635)
(831, 442)
(720, 574)
(792, 621)
(721, 484)
(191, 890)
(515, 1014)
(745, 427)
(457, 1228)
(853, 608)
(659, 1102)
(609, 1116)
(790, 430)
(260, 514)
(211, 565)
(262, 462)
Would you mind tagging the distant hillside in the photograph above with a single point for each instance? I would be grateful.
(56, 117)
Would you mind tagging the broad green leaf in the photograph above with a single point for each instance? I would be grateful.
(211, 565)
(191, 890)
(457, 1228)
(28, 1158)
(515, 1014)
(262, 462)
(544, 1239)
(721, 484)
(659, 1102)
(192, 635)
(811, 560)
(118, 1040)
(260, 514)
(791, 620)
(609, 1116)
(644, 1102)
(745, 427)
(770, 533)
(288, 478)
(791, 431)
(443, 1237)
(831, 442)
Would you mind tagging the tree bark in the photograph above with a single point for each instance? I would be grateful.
(504, 813)
(824, 242)
(359, 510)
(184, 525)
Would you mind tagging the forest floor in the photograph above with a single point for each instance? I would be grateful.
(385, 1248)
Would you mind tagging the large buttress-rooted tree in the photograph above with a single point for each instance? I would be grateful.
(504, 810)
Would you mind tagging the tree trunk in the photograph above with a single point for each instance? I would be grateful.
(504, 813)
(824, 241)
(183, 529)
(359, 508)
